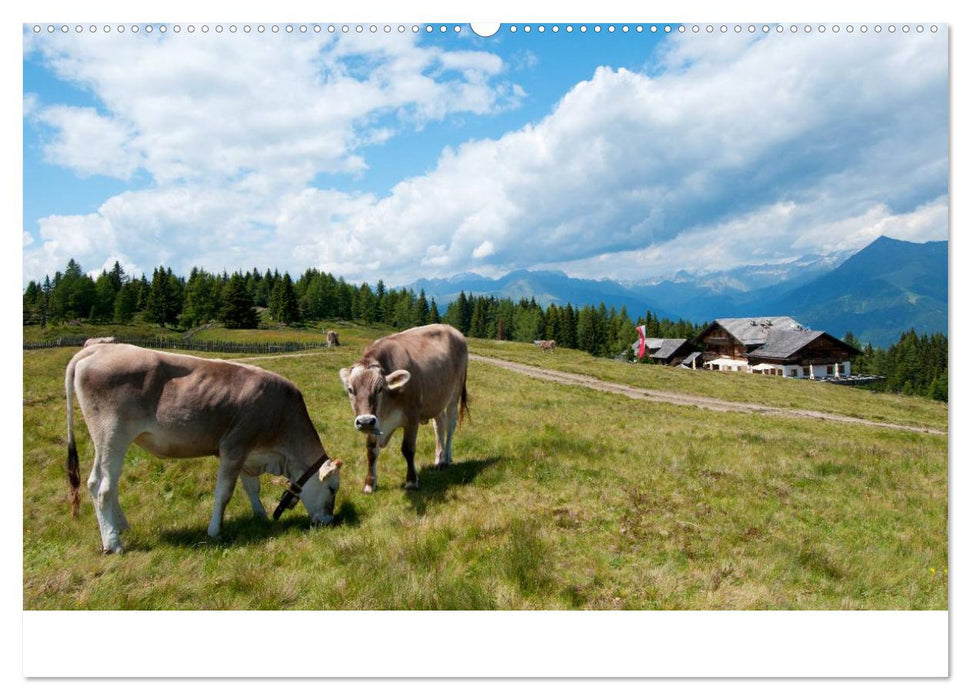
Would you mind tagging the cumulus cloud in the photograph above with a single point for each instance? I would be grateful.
(87, 142)
(729, 148)
(216, 106)
(763, 145)
(484, 250)
(776, 233)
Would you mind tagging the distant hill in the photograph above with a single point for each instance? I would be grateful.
(877, 293)
(888, 287)
(702, 297)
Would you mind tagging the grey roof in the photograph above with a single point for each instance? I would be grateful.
(669, 346)
(687, 361)
(660, 348)
(754, 330)
(781, 344)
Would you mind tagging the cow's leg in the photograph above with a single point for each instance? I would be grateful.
(452, 417)
(94, 487)
(408, 443)
(371, 480)
(229, 468)
(252, 486)
(103, 485)
(441, 450)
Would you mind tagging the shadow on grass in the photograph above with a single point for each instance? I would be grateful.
(235, 532)
(435, 483)
(240, 532)
(347, 515)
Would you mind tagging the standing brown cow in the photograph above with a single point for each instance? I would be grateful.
(403, 380)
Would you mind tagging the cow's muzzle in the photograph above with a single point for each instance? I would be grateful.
(366, 423)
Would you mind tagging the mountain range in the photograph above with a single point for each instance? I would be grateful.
(877, 293)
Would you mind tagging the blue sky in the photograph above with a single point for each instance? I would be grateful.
(399, 156)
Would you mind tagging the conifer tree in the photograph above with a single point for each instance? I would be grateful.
(423, 310)
(237, 309)
(283, 300)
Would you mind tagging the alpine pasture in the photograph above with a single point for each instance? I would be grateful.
(560, 497)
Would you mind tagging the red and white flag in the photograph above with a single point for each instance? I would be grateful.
(642, 348)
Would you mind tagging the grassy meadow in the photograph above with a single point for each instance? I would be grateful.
(561, 497)
(778, 392)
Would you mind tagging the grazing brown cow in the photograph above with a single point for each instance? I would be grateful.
(547, 345)
(332, 340)
(403, 380)
(183, 406)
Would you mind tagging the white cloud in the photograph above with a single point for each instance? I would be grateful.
(211, 107)
(30, 104)
(732, 149)
(88, 142)
(739, 152)
(484, 250)
(776, 233)
(928, 222)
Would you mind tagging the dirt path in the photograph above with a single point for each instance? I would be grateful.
(687, 399)
(633, 392)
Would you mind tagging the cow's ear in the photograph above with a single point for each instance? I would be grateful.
(397, 379)
(345, 373)
(328, 468)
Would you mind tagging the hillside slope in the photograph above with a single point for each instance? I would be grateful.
(888, 287)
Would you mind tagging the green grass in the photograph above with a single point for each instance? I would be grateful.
(349, 333)
(35, 333)
(561, 497)
(780, 392)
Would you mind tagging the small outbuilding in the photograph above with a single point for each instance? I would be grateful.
(666, 351)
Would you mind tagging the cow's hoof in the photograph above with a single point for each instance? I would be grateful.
(440, 465)
(368, 488)
(113, 549)
(411, 486)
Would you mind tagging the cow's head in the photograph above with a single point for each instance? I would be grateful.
(319, 493)
(374, 397)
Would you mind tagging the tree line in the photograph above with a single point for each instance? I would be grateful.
(237, 300)
(599, 330)
(915, 365)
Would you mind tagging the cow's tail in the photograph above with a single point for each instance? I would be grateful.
(73, 472)
(464, 402)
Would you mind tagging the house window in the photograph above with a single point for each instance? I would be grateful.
(793, 372)
(829, 369)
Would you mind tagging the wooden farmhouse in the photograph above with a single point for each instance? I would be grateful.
(777, 345)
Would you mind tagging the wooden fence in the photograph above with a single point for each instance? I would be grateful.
(163, 343)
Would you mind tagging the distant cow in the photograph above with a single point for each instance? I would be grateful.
(403, 380)
(332, 340)
(547, 345)
(183, 406)
(97, 341)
